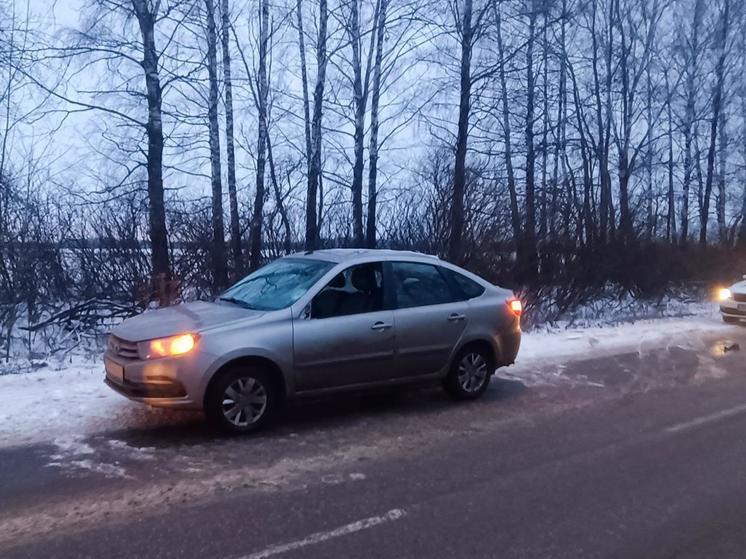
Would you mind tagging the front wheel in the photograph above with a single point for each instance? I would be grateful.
(242, 400)
(470, 373)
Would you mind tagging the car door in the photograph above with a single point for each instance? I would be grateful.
(429, 316)
(347, 335)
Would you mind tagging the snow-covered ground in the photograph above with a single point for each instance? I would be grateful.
(61, 406)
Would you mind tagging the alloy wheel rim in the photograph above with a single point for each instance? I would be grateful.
(472, 372)
(244, 401)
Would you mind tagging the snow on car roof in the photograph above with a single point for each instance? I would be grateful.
(342, 254)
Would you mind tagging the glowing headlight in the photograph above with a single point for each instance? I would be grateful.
(167, 347)
(724, 294)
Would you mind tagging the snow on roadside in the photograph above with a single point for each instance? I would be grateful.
(58, 407)
(541, 345)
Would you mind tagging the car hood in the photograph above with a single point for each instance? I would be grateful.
(178, 319)
(739, 287)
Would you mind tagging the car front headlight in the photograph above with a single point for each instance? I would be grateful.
(167, 347)
(724, 294)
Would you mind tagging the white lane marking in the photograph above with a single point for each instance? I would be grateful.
(705, 419)
(318, 537)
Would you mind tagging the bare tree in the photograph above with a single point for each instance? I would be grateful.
(262, 93)
(218, 228)
(691, 70)
(467, 30)
(314, 172)
(717, 107)
(375, 123)
(146, 18)
(235, 226)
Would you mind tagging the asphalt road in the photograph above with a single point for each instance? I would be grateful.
(639, 454)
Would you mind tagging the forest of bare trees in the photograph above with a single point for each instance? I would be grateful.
(155, 147)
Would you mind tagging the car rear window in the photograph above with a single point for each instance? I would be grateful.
(469, 288)
(420, 285)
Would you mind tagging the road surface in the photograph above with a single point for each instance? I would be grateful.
(638, 452)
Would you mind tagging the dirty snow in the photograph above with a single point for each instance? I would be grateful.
(60, 407)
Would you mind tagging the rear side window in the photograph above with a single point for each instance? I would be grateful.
(419, 285)
(468, 288)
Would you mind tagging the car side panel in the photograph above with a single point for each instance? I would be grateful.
(272, 341)
(427, 336)
(492, 321)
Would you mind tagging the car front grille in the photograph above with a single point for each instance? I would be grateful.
(740, 297)
(123, 348)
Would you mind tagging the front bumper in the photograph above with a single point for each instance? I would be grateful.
(730, 309)
(171, 382)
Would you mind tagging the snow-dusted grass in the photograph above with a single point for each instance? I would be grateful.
(59, 406)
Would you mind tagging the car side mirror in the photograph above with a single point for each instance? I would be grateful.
(305, 314)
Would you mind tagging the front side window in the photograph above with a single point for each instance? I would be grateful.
(419, 285)
(356, 290)
(277, 285)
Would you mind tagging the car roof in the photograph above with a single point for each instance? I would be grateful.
(345, 254)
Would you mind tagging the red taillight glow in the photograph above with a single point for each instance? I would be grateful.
(516, 306)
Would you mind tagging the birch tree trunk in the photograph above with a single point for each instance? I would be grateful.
(691, 71)
(220, 278)
(455, 245)
(154, 129)
(374, 125)
(717, 107)
(359, 102)
(543, 215)
(314, 174)
(527, 254)
(235, 226)
(304, 84)
(742, 229)
(722, 169)
(560, 146)
(515, 216)
(257, 219)
(671, 216)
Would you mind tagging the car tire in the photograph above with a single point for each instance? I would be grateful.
(731, 320)
(242, 399)
(470, 373)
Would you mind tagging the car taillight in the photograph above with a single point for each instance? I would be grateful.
(515, 306)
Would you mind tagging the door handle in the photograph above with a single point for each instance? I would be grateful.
(379, 326)
(455, 317)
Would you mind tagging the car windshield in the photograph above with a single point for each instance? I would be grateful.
(277, 285)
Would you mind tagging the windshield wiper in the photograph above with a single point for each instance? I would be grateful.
(235, 301)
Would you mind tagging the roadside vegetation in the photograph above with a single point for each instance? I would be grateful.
(585, 154)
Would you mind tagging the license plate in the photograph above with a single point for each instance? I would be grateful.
(742, 307)
(114, 371)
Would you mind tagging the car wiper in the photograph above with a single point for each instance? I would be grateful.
(235, 301)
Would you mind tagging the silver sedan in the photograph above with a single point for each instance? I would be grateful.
(313, 323)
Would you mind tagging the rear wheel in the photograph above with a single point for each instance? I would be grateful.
(470, 373)
(242, 400)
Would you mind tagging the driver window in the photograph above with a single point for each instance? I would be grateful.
(357, 290)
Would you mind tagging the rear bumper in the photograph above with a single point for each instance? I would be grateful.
(508, 342)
